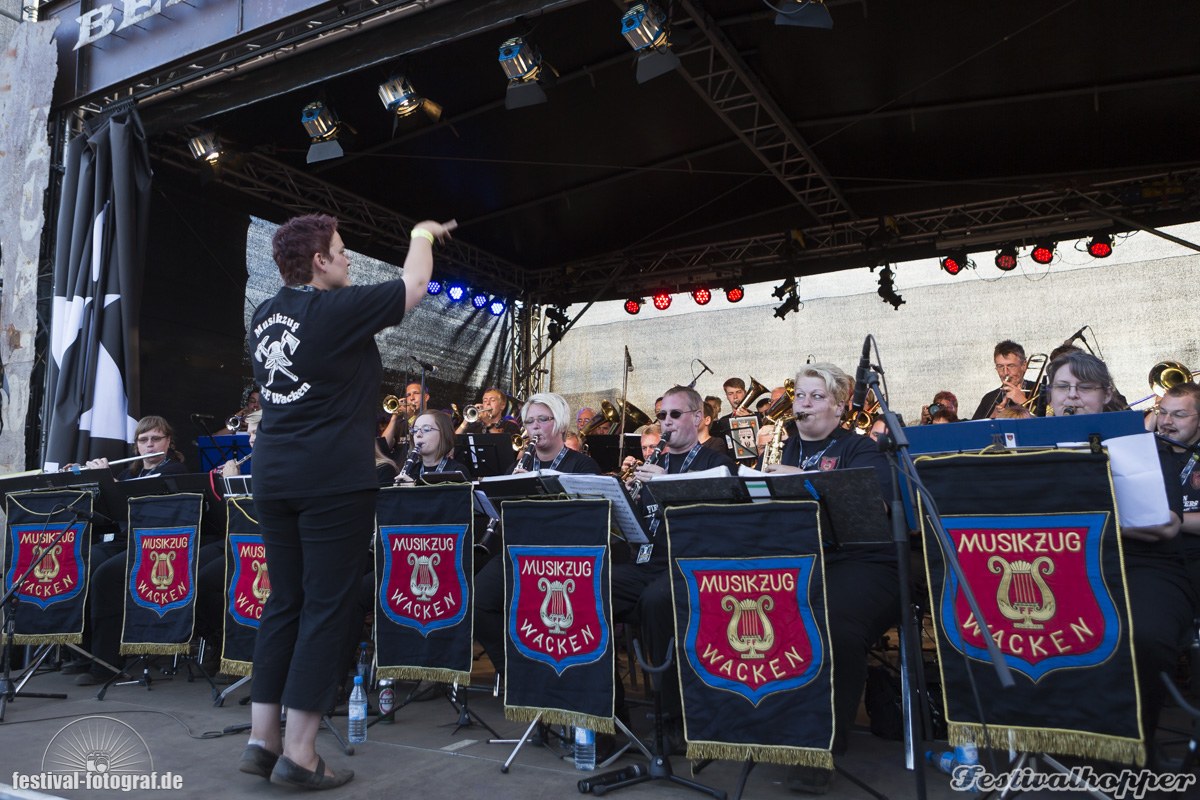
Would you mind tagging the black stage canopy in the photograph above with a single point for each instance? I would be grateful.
(907, 130)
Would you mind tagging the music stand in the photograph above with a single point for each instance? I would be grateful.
(487, 454)
(216, 450)
(605, 449)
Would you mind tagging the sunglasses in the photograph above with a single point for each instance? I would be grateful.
(674, 413)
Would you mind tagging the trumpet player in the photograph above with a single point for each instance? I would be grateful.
(401, 420)
(651, 435)
(1011, 364)
(862, 584)
(491, 415)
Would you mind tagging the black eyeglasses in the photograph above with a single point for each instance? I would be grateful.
(674, 413)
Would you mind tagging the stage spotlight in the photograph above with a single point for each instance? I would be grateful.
(1100, 246)
(662, 300)
(633, 305)
(1006, 258)
(887, 288)
(788, 306)
(804, 14)
(205, 147)
(456, 292)
(785, 288)
(558, 314)
(702, 295)
(522, 64)
(479, 299)
(1042, 253)
(734, 294)
(435, 287)
(497, 307)
(399, 97)
(645, 27)
(955, 263)
(323, 127)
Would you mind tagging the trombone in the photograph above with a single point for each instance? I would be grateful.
(1164, 376)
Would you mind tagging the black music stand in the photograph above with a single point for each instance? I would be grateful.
(487, 454)
(605, 449)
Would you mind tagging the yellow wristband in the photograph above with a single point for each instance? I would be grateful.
(421, 233)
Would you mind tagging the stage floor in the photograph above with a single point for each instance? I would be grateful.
(420, 755)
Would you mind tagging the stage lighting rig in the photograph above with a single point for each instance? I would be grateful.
(434, 287)
(955, 263)
(323, 128)
(785, 288)
(399, 97)
(633, 305)
(1100, 246)
(497, 306)
(702, 295)
(662, 300)
(205, 147)
(804, 14)
(647, 30)
(479, 299)
(1006, 258)
(526, 73)
(887, 288)
(788, 306)
(1042, 253)
(558, 322)
(734, 294)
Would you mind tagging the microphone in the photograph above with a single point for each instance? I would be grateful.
(202, 418)
(706, 366)
(860, 377)
(425, 365)
(1076, 335)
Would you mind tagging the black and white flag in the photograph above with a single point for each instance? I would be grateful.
(101, 242)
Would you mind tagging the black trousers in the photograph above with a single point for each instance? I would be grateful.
(316, 554)
(488, 605)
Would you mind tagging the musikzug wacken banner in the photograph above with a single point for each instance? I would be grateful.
(247, 585)
(1037, 539)
(558, 613)
(51, 601)
(424, 565)
(161, 571)
(751, 632)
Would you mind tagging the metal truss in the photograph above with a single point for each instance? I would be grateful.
(717, 72)
(297, 192)
(1075, 211)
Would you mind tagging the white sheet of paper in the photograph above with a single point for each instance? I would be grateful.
(1137, 480)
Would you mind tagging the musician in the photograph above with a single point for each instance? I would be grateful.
(735, 393)
(491, 415)
(546, 417)
(397, 429)
(1178, 419)
(641, 590)
(251, 402)
(1161, 598)
(433, 441)
(1010, 362)
(944, 401)
(651, 435)
(155, 437)
(861, 582)
(584, 416)
(315, 485)
(703, 436)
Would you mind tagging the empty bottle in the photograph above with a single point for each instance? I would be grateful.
(585, 748)
(358, 712)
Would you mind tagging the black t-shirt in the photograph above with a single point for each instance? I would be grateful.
(573, 462)
(314, 355)
(706, 458)
(447, 465)
(716, 443)
(167, 467)
(505, 426)
(1167, 553)
(992, 398)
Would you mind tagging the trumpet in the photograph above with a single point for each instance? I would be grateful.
(392, 404)
(471, 414)
(627, 473)
(636, 488)
(234, 423)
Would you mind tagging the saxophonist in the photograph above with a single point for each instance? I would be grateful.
(861, 582)
(546, 417)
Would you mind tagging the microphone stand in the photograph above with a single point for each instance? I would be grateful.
(628, 367)
(896, 448)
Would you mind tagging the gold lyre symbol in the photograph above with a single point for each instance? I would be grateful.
(750, 632)
(424, 580)
(556, 611)
(162, 574)
(261, 588)
(1023, 594)
(48, 566)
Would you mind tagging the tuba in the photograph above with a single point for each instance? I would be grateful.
(634, 416)
(608, 413)
(755, 391)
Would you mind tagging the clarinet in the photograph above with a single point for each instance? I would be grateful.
(412, 463)
(530, 454)
(636, 488)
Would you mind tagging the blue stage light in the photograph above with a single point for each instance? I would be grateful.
(497, 307)
(479, 299)
(456, 292)
(435, 287)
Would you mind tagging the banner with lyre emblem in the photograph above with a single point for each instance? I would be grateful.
(751, 632)
(51, 600)
(247, 585)
(423, 569)
(161, 570)
(1045, 568)
(558, 611)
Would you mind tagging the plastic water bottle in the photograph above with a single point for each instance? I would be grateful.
(358, 712)
(585, 748)
(944, 760)
(364, 661)
(967, 755)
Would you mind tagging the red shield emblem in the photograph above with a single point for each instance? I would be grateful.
(250, 585)
(1038, 582)
(751, 627)
(828, 463)
(163, 566)
(554, 616)
(59, 573)
(424, 585)
(1194, 479)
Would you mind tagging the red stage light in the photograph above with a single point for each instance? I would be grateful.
(1006, 258)
(662, 300)
(633, 305)
(1042, 253)
(954, 264)
(734, 294)
(701, 296)
(1100, 247)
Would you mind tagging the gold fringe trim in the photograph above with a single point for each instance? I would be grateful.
(154, 649)
(798, 756)
(1039, 740)
(425, 674)
(236, 667)
(558, 716)
(47, 638)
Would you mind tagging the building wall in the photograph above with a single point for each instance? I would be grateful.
(942, 338)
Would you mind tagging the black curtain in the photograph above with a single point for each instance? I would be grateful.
(93, 398)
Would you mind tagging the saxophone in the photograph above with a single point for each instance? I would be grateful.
(774, 451)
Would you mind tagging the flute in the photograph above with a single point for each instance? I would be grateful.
(76, 469)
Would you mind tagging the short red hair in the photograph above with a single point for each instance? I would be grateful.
(295, 243)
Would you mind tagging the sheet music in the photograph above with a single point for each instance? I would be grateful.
(484, 506)
(609, 488)
(1137, 480)
(715, 472)
(520, 476)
